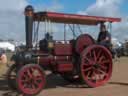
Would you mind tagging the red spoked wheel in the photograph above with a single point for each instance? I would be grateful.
(30, 79)
(96, 65)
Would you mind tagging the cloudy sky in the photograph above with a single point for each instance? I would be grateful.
(12, 18)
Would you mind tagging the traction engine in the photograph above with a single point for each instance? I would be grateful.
(79, 59)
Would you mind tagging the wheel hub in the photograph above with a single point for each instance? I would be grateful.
(96, 66)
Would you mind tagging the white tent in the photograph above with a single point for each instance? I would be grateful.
(7, 46)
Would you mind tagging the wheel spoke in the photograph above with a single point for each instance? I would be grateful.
(25, 85)
(87, 69)
(96, 76)
(33, 86)
(93, 75)
(99, 54)
(101, 71)
(90, 61)
(88, 73)
(86, 65)
(29, 73)
(94, 54)
(103, 67)
(105, 61)
(100, 59)
(99, 75)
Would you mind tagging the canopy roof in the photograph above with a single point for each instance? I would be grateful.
(72, 18)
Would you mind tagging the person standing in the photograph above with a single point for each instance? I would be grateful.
(3, 62)
(3, 57)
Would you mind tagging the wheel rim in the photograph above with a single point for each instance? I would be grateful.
(96, 66)
(31, 80)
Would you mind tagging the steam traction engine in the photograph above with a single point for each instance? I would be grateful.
(77, 59)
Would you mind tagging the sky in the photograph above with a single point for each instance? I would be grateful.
(12, 18)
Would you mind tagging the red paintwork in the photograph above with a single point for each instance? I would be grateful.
(60, 59)
(82, 42)
(64, 67)
(73, 18)
(96, 65)
(45, 60)
(61, 49)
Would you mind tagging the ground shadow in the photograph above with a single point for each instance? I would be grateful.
(119, 83)
(6, 91)
(10, 93)
(3, 85)
(54, 81)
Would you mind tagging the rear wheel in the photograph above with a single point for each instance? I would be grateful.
(96, 65)
(30, 79)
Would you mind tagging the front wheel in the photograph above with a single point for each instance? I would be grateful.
(30, 80)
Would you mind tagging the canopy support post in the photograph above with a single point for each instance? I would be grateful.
(64, 32)
(110, 25)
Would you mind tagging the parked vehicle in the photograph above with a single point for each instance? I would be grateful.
(79, 58)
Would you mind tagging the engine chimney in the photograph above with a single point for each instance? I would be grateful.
(29, 11)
